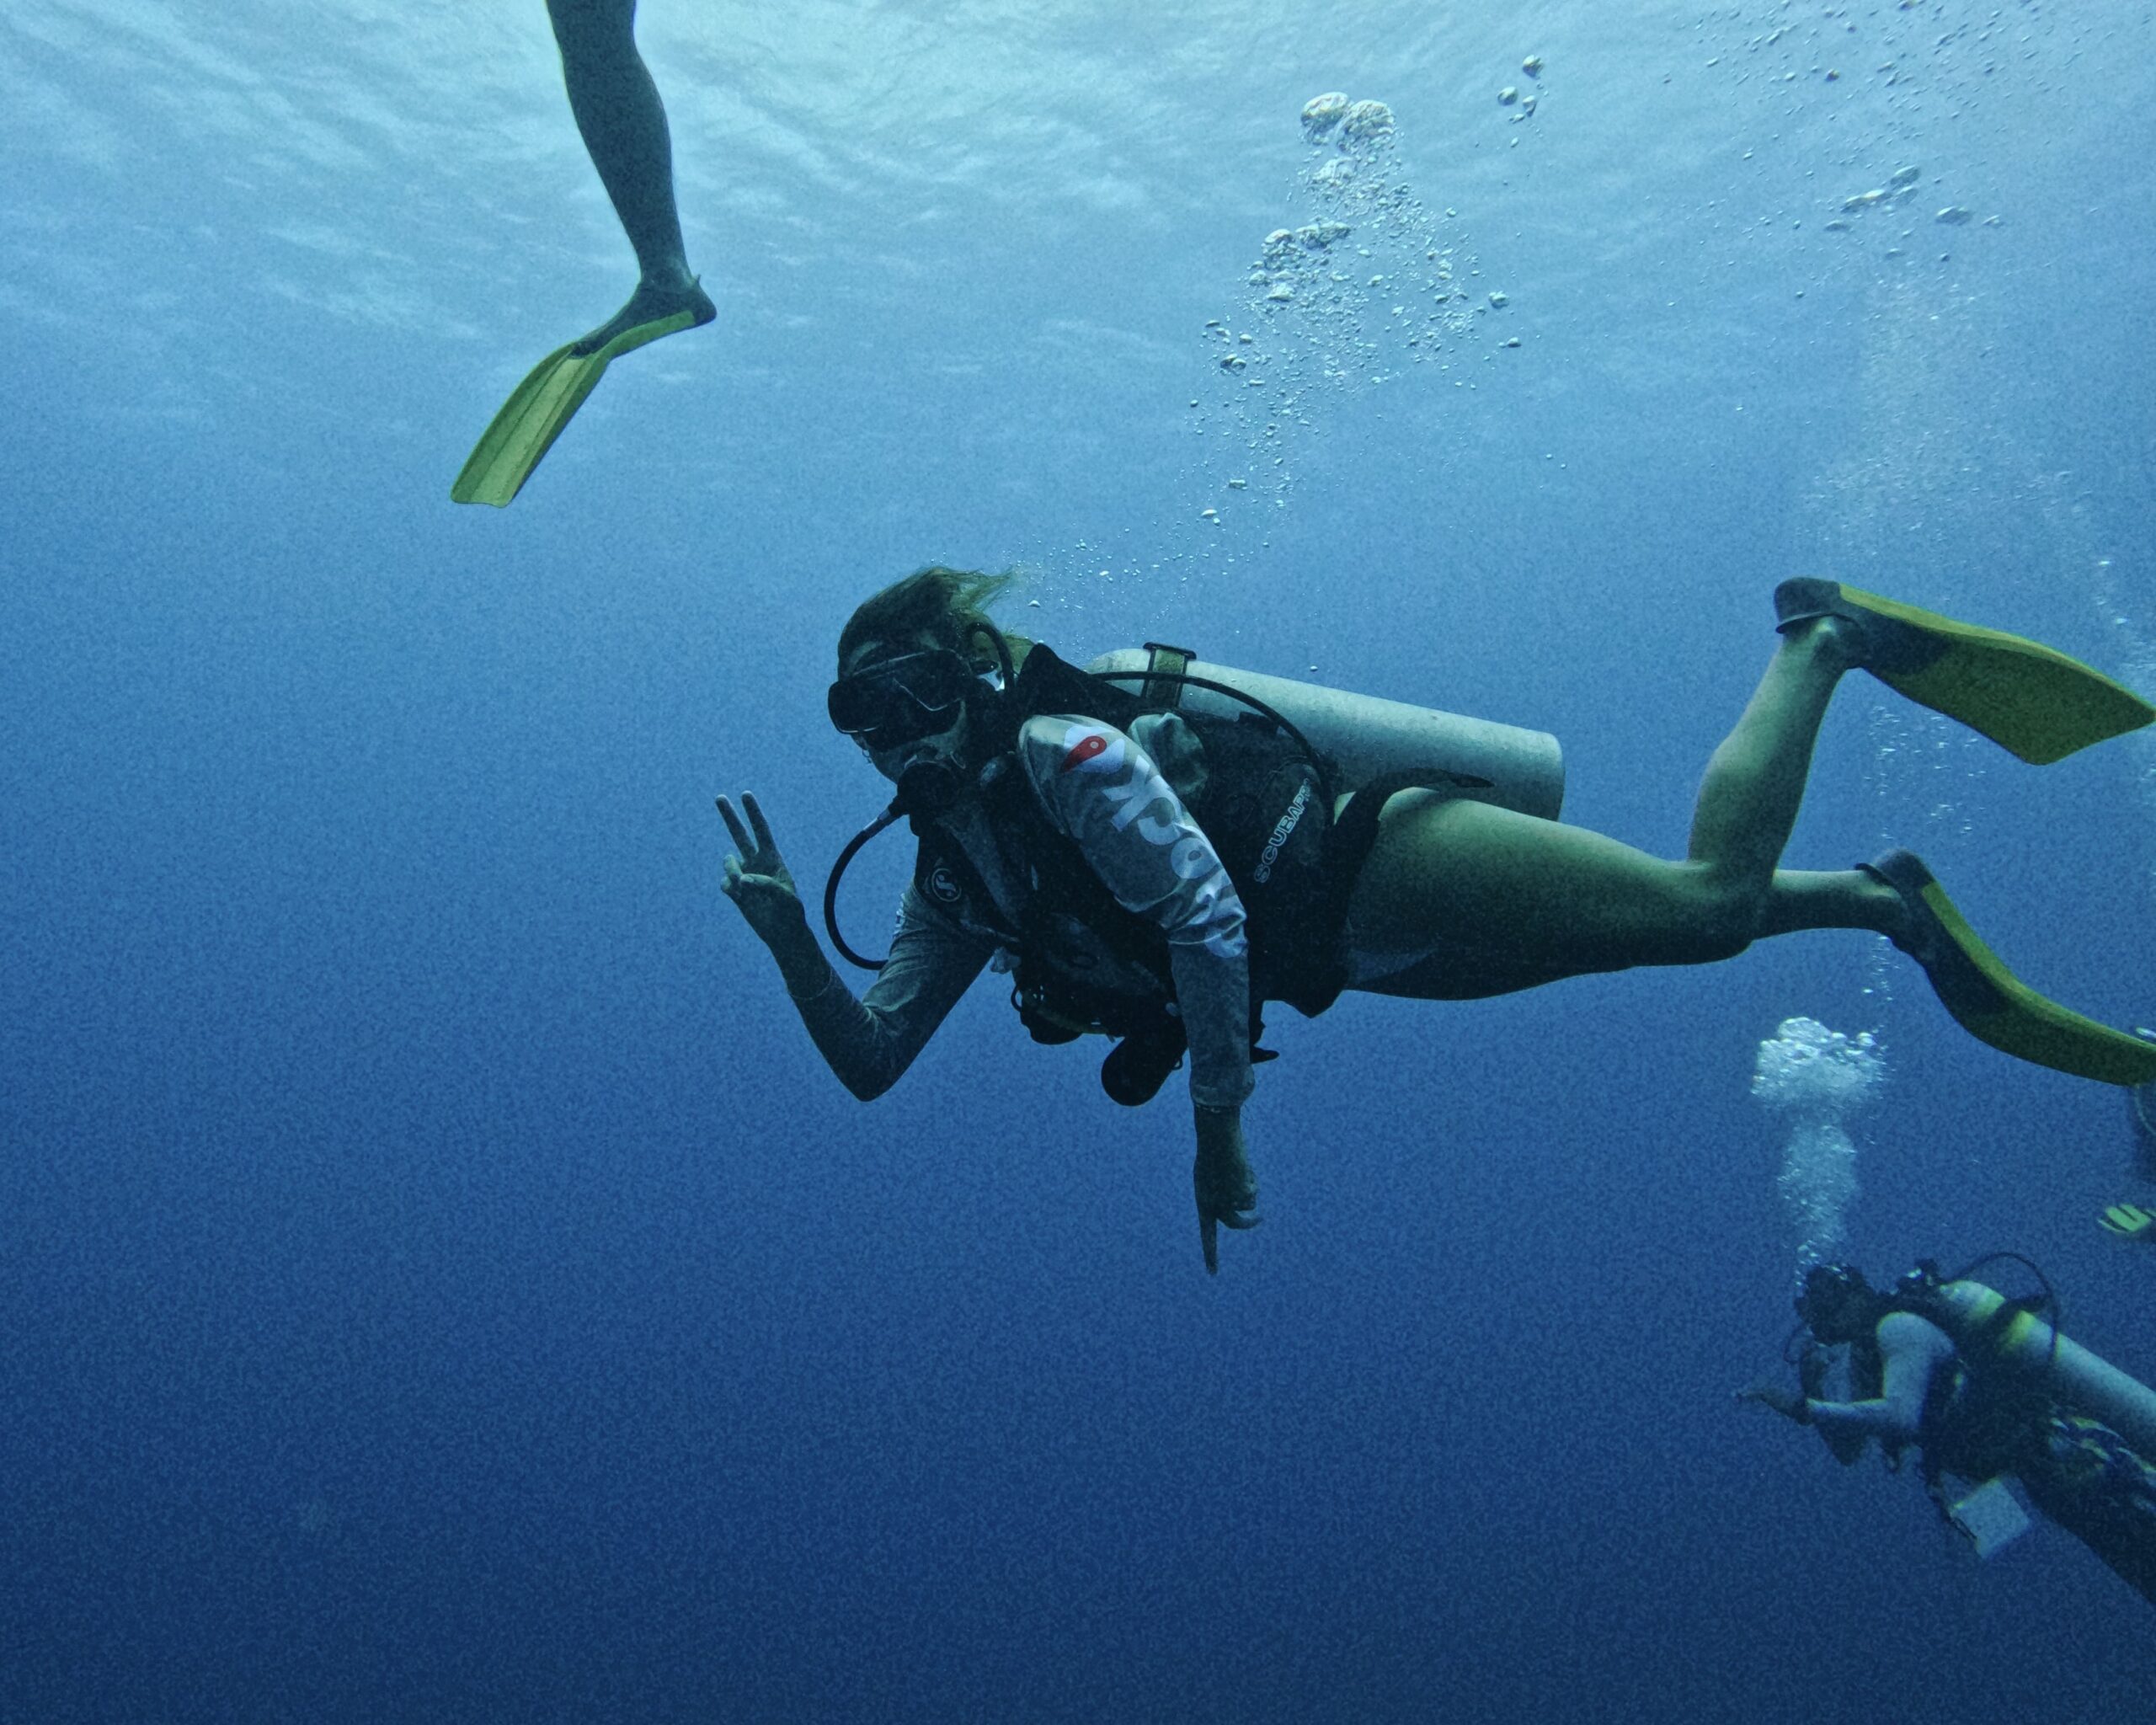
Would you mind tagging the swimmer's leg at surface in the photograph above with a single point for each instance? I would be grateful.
(623, 124)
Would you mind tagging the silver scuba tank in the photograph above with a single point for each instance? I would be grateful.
(2024, 1344)
(1364, 736)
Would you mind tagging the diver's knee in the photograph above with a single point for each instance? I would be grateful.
(1724, 919)
(1725, 944)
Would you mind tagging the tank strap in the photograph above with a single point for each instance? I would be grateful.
(1164, 664)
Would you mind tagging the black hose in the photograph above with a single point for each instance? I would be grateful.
(1258, 707)
(831, 888)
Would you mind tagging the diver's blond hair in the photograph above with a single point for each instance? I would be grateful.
(950, 605)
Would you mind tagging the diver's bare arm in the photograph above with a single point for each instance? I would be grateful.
(1911, 1351)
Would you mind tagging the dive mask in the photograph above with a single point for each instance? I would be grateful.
(1838, 1303)
(900, 700)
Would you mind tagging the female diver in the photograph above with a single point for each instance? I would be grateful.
(1085, 843)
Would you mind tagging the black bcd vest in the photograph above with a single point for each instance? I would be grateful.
(1263, 806)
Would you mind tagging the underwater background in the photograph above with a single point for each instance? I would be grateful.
(440, 1280)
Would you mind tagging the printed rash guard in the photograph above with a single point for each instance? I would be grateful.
(1101, 789)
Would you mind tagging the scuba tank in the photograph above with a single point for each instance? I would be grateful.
(1996, 1334)
(1362, 737)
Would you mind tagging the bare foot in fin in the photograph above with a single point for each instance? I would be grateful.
(652, 302)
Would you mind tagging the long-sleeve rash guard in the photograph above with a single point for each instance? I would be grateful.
(1101, 789)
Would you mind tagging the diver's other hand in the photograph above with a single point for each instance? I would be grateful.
(1785, 1400)
(1811, 1368)
(1226, 1189)
(2129, 1221)
(757, 879)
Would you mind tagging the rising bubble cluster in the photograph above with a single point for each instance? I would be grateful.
(1818, 1078)
(1856, 122)
(1367, 281)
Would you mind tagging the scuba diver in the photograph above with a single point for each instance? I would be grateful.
(1986, 1390)
(1158, 873)
(623, 124)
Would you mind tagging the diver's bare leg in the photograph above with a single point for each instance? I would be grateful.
(1517, 902)
(1837, 898)
(623, 124)
(1754, 780)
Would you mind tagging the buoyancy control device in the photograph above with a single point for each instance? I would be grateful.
(1316, 751)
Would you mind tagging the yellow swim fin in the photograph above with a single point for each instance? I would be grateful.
(2037, 702)
(547, 399)
(1990, 1001)
(2129, 1221)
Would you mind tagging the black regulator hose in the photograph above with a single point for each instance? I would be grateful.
(1264, 710)
(831, 888)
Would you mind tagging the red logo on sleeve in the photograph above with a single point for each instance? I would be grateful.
(1089, 746)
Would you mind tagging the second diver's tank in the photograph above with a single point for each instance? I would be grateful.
(1362, 736)
(1993, 1336)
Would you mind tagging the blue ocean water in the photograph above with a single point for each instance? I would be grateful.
(441, 1282)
